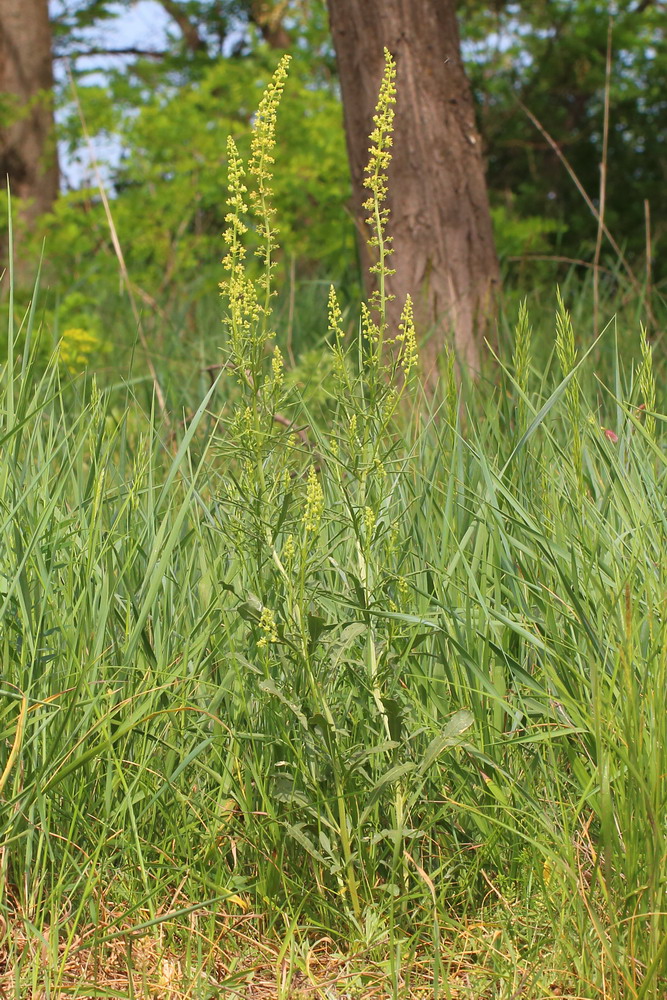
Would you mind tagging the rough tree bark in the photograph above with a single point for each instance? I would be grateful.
(28, 153)
(444, 253)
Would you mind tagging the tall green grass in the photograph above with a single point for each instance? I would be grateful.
(389, 672)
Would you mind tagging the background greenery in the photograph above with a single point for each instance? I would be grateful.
(170, 118)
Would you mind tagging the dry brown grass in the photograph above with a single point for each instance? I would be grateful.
(242, 964)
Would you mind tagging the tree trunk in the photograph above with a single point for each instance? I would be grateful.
(28, 153)
(444, 253)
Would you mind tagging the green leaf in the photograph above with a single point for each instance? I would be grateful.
(250, 609)
(316, 626)
(449, 737)
(295, 830)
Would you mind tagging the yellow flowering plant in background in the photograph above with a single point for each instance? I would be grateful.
(79, 343)
(77, 347)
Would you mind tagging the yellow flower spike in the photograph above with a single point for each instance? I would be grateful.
(277, 367)
(262, 144)
(289, 549)
(268, 625)
(381, 139)
(244, 308)
(376, 182)
(264, 125)
(407, 338)
(338, 336)
(335, 315)
(314, 502)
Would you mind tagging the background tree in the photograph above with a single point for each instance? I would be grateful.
(28, 153)
(160, 106)
(443, 245)
(206, 29)
(549, 57)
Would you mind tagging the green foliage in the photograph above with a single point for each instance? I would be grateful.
(552, 57)
(171, 117)
(171, 180)
(517, 235)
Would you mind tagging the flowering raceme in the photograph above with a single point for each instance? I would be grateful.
(314, 503)
(269, 627)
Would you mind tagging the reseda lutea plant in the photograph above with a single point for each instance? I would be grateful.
(292, 506)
